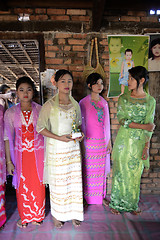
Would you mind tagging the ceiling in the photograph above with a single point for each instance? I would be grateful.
(19, 58)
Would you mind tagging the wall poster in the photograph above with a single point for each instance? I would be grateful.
(125, 52)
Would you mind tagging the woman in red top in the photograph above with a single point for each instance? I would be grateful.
(25, 153)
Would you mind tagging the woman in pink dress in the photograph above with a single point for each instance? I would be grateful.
(96, 156)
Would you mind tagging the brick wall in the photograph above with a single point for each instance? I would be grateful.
(70, 50)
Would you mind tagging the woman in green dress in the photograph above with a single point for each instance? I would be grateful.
(130, 154)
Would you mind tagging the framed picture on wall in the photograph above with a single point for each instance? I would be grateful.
(154, 53)
(125, 52)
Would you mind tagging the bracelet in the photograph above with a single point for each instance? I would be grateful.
(146, 147)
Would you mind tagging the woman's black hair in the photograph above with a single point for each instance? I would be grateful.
(93, 78)
(3, 88)
(152, 44)
(60, 73)
(138, 73)
(25, 80)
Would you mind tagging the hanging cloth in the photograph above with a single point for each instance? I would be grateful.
(88, 69)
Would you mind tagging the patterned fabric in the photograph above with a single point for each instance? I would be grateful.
(13, 133)
(2, 148)
(63, 170)
(31, 193)
(96, 161)
(2, 170)
(2, 205)
(127, 151)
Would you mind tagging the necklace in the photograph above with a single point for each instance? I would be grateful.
(99, 111)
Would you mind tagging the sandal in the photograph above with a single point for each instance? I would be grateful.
(37, 223)
(76, 223)
(105, 202)
(137, 212)
(20, 225)
(2, 227)
(114, 211)
(58, 224)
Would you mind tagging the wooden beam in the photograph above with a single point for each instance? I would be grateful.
(97, 14)
(5, 77)
(84, 4)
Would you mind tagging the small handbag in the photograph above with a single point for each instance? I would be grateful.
(88, 69)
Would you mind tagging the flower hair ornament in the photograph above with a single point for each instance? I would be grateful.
(53, 80)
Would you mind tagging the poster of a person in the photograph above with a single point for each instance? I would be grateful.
(127, 64)
(154, 53)
(120, 60)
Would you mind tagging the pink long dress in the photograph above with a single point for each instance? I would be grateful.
(96, 160)
(2, 170)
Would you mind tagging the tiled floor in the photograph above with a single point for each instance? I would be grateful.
(99, 224)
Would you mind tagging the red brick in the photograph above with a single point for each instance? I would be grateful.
(78, 48)
(137, 13)
(145, 191)
(52, 48)
(48, 42)
(80, 18)
(114, 121)
(153, 151)
(152, 185)
(8, 18)
(115, 127)
(60, 18)
(56, 11)
(62, 35)
(153, 175)
(75, 68)
(79, 35)
(113, 110)
(81, 54)
(40, 10)
(67, 48)
(78, 61)
(76, 12)
(156, 180)
(68, 61)
(112, 19)
(61, 41)
(5, 12)
(50, 54)
(39, 17)
(76, 42)
(156, 145)
(54, 61)
(157, 157)
(149, 19)
(154, 139)
(129, 19)
(23, 10)
(146, 180)
(57, 66)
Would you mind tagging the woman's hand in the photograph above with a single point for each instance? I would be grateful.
(145, 153)
(10, 168)
(109, 147)
(150, 127)
(80, 138)
(65, 138)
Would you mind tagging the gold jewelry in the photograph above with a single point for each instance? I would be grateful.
(9, 162)
(146, 147)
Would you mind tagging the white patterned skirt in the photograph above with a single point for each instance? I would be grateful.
(65, 181)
